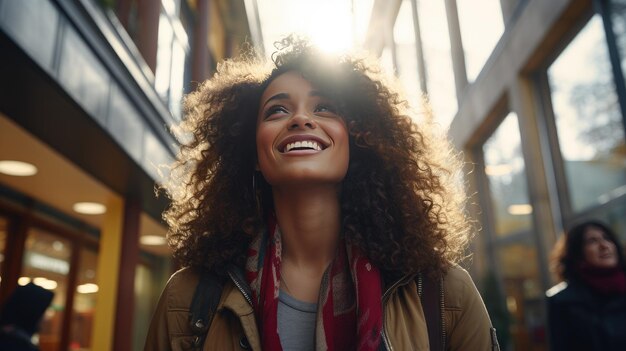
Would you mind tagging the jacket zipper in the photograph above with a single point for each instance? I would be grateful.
(239, 286)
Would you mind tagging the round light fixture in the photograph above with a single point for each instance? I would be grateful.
(17, 168)
(152, 240)
(88, 288)
(89, 208)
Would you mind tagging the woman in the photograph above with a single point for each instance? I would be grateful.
(587, 310)
(307, 188)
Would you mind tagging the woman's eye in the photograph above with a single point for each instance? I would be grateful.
(278, 109)
(325, 108)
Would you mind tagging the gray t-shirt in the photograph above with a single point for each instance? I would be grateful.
(296, 323)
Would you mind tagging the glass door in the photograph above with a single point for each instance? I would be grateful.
(46, 262)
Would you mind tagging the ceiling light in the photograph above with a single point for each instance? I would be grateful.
(45, 283)
(89, 208)
(88, 288)
(17, 168)
(521, 209)
(152, 240)
(23, 281)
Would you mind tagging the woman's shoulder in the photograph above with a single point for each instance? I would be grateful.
(458, 279)
(180, 288)
(459, 288)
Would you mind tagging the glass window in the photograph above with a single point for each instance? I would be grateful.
(164, 57)
(618, 15)
(588, 120)
(519, 267)
(406, 53)
(177, 79)
(85, 298)
(506, 174)
(481, 28)
(47, 263)
(172, 60)
(144, 285)
(438, 60)
(516, 253)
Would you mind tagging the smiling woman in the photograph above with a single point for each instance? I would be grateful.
(314, 210)
(587, 310)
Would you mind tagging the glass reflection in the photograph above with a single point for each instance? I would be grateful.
(524, 296)
(46, 263)
(85, 298)
(588, 119)
(505, 170)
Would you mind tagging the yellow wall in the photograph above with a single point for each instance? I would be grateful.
(108, 276)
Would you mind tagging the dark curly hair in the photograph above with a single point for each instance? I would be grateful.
(568, 252)
(402, 199)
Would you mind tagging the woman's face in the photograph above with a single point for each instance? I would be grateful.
(300, 137)
(598, 250)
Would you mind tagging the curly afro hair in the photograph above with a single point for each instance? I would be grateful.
(402, 200)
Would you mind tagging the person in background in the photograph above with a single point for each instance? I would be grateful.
(21, 315)
(587, 309)
(308, 190)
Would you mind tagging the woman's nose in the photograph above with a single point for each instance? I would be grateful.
(301, 120)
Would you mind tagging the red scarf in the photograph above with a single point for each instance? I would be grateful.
(606, 281)
(349, 315)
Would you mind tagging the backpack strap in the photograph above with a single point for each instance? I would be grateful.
(431, 294)
(203, 306)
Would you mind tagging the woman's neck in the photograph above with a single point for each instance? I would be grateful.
(309, 221)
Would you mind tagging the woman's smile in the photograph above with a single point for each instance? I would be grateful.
(302, 144)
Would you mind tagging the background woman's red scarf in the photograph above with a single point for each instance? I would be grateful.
(349, 315)
(606, 281)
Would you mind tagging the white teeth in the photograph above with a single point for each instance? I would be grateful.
(308, 144)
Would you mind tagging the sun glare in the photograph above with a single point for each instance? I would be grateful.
(329, 24)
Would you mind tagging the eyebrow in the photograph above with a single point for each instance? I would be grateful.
(279, 96)
(284, 96)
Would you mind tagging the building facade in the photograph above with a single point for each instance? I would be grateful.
(532, 92)
(89, 91)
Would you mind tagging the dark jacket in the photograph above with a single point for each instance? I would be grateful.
(15, 339)
(20, 316)
(581, 320)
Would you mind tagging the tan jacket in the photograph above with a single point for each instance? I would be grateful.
(467, 324)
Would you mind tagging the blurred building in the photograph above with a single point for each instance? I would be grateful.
(533, 93)
(88, 91)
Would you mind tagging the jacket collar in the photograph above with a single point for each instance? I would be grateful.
(237, 276)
